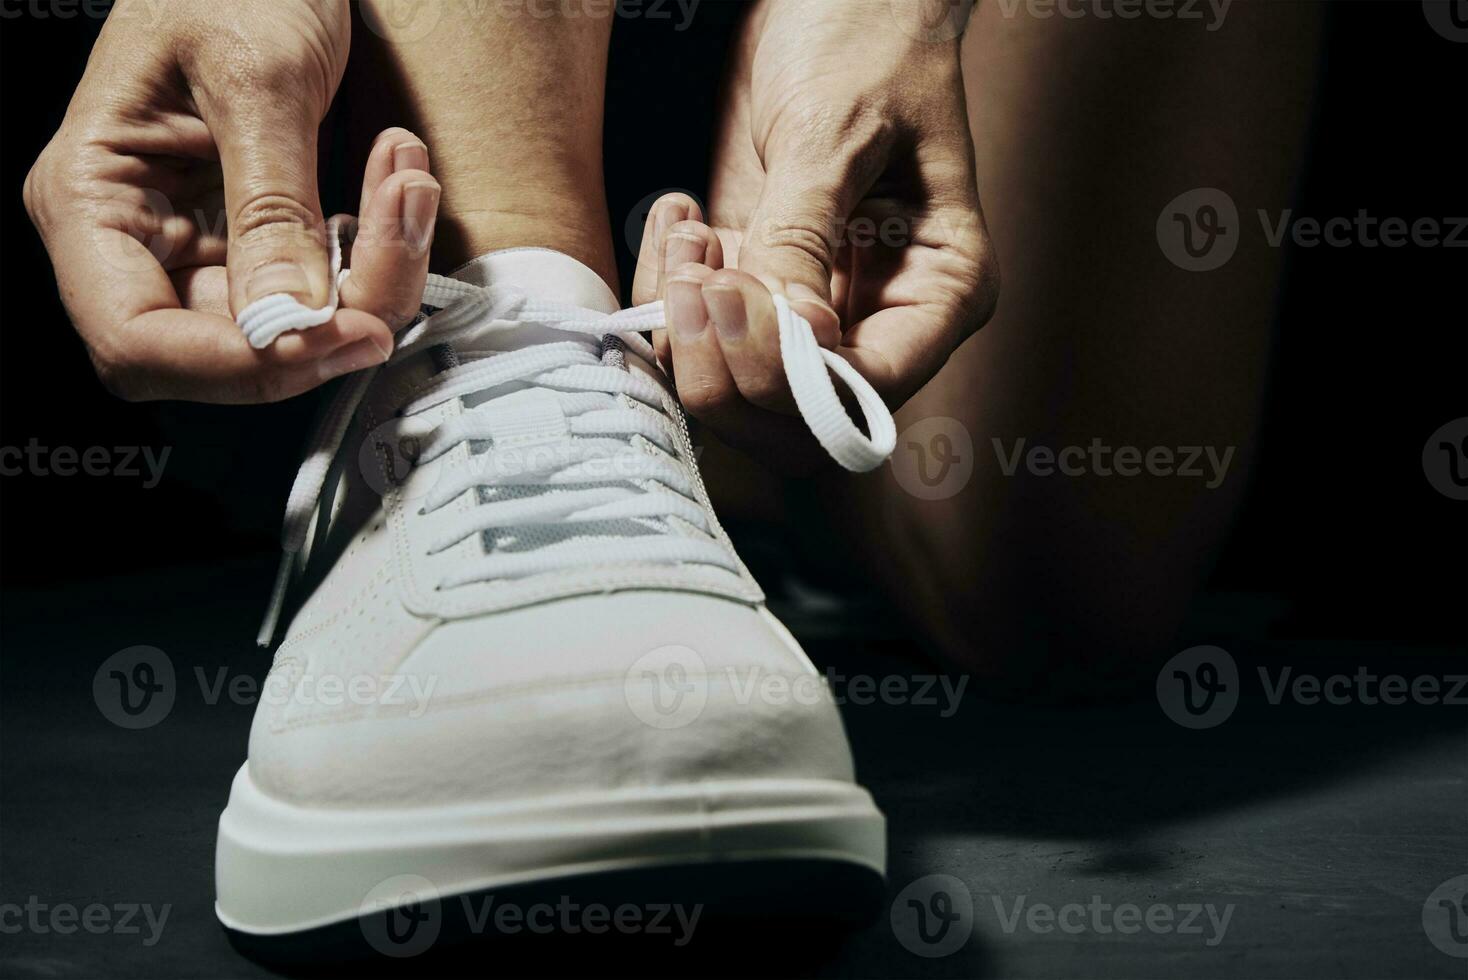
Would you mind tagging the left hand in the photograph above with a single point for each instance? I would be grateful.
(843, 178)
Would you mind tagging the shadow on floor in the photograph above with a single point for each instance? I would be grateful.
(93, 813)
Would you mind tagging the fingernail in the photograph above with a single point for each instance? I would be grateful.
(668, 217)
(410, 156)
(353, 357)
(685, 307)
(278, 277)
(420, 212)
(726, 311)
(683, 248)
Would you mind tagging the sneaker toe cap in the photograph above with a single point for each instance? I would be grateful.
(602, 692)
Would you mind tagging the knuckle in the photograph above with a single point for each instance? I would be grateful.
(31, 197)
(265, 387)
(30, 194)
(275, 218)
(400, 314)
(117, 377)
(986, 288)
(704, 396)
(806, 232)
(394, 135)
(841, 126)
(727, 278)
(47, 180)
(303, 74)
(807, 238)
(851, 138)
(230, 59)
(766, 389)
(690, 227)
(992, 280)
(675, 199)
(973, 277)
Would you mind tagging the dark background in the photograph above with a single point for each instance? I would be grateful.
(1371, 351)
(1327, 826)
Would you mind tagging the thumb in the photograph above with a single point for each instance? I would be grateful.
(799, 223)
(267, 151)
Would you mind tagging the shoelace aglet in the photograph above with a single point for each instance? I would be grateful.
(266, 636)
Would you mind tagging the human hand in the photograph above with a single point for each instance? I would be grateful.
(843, 178)
(181, 186)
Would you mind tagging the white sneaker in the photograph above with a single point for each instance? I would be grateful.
(529, 653)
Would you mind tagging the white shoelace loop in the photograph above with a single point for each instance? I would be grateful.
(598, 405)
(270, 316)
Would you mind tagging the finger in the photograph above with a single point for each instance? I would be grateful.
(686, 242)
(690, 242)
(395, 150)
(390, 251)
(267, 140)
(704, 384)
(648, 279)
(707, 389)
(206, 290)
(109, 248)
(683, 242)
(900, 348)
(747, 330)
(913, 306)
(182, 354)
(146, 348)
(796, 228)
(667, 211)
(203, 289)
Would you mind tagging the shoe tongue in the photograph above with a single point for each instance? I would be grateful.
(544, 274)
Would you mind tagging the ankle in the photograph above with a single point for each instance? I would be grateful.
(576, 227)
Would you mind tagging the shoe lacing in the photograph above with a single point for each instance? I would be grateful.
(572, 456)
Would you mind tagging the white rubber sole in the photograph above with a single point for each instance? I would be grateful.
(282, 869)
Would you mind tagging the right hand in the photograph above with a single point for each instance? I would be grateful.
(181, 187)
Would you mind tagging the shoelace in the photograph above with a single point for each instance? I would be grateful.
(590, 410)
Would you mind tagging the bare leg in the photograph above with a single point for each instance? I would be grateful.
(509, 100)
(1086, 129)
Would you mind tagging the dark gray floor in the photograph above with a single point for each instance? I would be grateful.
(1320, 831)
